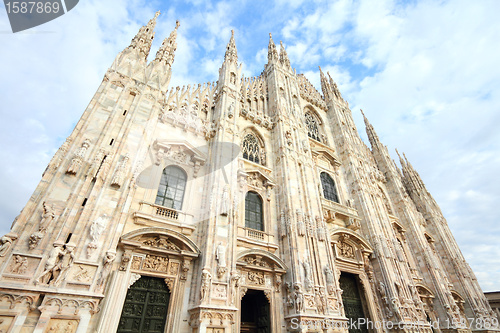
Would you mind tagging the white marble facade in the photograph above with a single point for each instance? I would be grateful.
(94, 226)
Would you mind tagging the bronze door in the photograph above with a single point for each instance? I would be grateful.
(145, 308)
(352, 303)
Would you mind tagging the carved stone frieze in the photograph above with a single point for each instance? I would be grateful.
(256, 260)
(162, 242)
(256, 278)
(19, 300)
(57, 325)
(136, 262)
(70, 306)
(82, 273)
(155, 263)
(219, 291)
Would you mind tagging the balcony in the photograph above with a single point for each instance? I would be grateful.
(335, 211)
(257, 238)
(152, 214)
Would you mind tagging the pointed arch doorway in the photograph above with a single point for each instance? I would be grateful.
(255, 312)
(146, 306)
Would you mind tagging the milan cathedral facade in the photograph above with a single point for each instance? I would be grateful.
(248, 205)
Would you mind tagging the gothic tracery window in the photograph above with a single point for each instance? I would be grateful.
(172, 187)
(312, 127)
(251, 149)
(329, 189)
(253, 211)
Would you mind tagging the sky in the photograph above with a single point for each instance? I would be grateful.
(425, 73)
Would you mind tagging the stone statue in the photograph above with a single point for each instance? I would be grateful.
(220, 255)
(65, 265)
(225, 203)
(6, 242)
(47, 216)
(307, 275)
(235, 284)
(106, 268)
(206, 279)
(299, 298)
(52, 264)
(77, 160)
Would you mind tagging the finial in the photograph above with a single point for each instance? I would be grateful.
(270, 36)
(157, 14)
(362, 113)
(232, 33)
(177, 24)
(400, 159)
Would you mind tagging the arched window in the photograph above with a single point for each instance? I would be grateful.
(329, 190)
(253, 211)
(312, 127)
(251, 149)
(172, 187)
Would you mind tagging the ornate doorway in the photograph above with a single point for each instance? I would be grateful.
(146, 306)
(353, 305)
(255, 314)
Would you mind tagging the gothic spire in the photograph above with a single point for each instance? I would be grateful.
(334, 87)
(325, 86)
(411, 179)
(284, 56)
(166, 53)
(142, 41)
(370, 131)
(231, 51)
(272, 53)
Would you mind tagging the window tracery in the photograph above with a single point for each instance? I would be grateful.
(312, 127)
(251, 149)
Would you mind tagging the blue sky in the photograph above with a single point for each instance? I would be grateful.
(425, 72)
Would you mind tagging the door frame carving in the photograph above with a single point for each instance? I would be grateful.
(156, 252)
(261, 270)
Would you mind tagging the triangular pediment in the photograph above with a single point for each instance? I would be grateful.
(167, 145)
(327, 154)
(261, 175)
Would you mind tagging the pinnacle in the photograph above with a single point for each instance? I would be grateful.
(403, 163)
(166, 53)
(231, 51)
(142, 41)
(284, 56)
(272, 53)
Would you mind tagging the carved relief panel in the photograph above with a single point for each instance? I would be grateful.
(62, 325)
(6, 323)
(21, 267)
